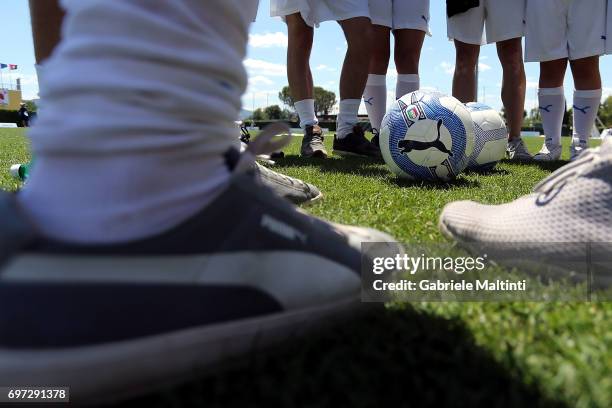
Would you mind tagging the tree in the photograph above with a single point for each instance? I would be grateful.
(258, 114)
(285, 97)
(605, 112)
(324, 100)
(273, 112)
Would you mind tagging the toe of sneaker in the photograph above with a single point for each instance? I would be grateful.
(460, 220)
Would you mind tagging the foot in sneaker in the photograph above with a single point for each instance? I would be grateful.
(548, 153)
(356, 144)
(312, 143)
(290, 188)
(248, 271)
(517, 150)
(577, 148)
(572, 205)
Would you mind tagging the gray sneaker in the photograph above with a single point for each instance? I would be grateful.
(292, 189)
(245, 273)
(577, 148)
(312, 144)
(517, 150)
(549, 152)
(572, 206)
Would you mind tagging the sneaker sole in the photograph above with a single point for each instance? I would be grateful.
(111, 372)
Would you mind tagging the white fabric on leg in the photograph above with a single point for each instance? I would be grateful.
(585, 107)
(347, 117)
(140, 100)
(375, 99)
(306, 112)
(552, 108)
(406, 83)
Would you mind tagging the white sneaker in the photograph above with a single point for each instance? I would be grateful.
(517, 150)
(572, 205)
(577, 148)
(548, 153)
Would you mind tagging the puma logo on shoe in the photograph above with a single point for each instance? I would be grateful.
(369, 100)
(546, 108)
(282, 229)
(407, 146)
(583, 110)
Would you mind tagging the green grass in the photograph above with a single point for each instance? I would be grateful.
(424, 354)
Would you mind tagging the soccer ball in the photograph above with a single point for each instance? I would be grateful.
(491, 137)
(427, 136)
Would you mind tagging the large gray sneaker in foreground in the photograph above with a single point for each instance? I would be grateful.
(109, 321)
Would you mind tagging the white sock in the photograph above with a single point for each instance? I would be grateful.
(406, 83)
(306, 112)
(375, 99)
(586, 105)
(552, 108)
(149, 121)
(347, 117)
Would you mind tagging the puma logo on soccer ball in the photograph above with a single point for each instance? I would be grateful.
(546, 108)
(407, 146)
(583, 110)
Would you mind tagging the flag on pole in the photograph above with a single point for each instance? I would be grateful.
(2, 66)
(12, 67)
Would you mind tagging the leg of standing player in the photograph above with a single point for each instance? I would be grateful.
(505, 26)
(350, 138)
(464, 77)
(576, 33)
(410, 24)
(375, 93)
(514, 84)
(587, 97)
(299, 75)
(46, 19)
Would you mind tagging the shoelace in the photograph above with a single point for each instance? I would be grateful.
(263, 144)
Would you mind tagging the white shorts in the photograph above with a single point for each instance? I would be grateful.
(503, 19)
(564, 29)
(401, 14)
(315, 12)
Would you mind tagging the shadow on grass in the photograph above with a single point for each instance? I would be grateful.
(386, 358)
(367, 167)
(460, 182)
(492, 172)
(549, 166)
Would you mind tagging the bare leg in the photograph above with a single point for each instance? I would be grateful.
(408, 45)
(552, 73)
(47, 19)
(586, 73)
(464, 79)
(356, 62)
(510, 54)
(380, 55)
(298, 57)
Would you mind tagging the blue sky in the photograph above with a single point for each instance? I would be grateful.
(266, 59)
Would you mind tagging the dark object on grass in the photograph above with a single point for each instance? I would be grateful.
(454, 7)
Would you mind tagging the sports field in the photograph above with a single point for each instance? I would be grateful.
(433, 354)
